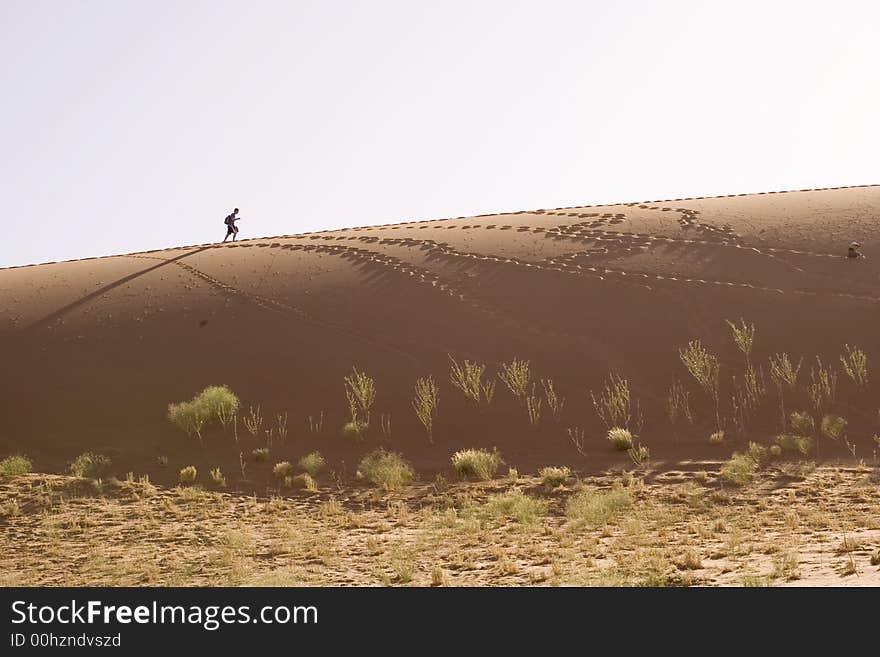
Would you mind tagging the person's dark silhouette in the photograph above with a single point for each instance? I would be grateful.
(231, 228)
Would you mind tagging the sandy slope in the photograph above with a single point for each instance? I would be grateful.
(94, 350)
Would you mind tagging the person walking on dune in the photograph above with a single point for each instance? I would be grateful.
(231, 228)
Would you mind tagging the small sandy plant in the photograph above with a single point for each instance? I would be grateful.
(218, 479)
(792, 443)
(354, 431)
(514, 505)
(516, 376)
(717, 438)
(554, 402)
(823, 386)
(282, 470)
(703, 366)
(576, 437)
(533, 407)
(360, 390)
(739, 470)
(613, 404)
(743, 337)
(592, 507)
(468, 377)
(388, 470)
(477, 463)
(639, 453)
(13, 466)
(212, 403)
(253, 420)
(89, 465)
(281, 427)
(784, 374)
(678, 405)
(833, 426)
(188, 475)
(425, 404)
(260, 454)
(316, 423)
(802, 423)
(553, 476)
(855, 364)
(620, 438)
(312, 463)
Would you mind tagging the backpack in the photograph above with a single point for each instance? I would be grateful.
(228, 220)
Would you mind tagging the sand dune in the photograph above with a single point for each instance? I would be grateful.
(97, 348)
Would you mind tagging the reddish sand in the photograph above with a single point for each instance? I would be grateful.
(94, 350)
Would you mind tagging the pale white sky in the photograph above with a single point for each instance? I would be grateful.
(128, 125)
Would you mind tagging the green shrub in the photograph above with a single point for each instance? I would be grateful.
(516, 506)
(212, 403)
(260, 454)
(775, 450)
(354, 430)
(188, 475)
(758, 453)
(187, 417)
(13, 466)
(476, 463)
(833, 426)
(790, 443)
(386, 469)
(282, 469)
(621, 438)
(89, 465)
(639, 453)
(303, 480)
(739, 470)
(218, 479)
(554, 476)
(312, 463)
(593, 507)
(802, 423)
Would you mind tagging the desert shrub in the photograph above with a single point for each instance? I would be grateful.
(515, 505)
(833, 426)
(425, 404)
(476, 463)
(516, 376)
(15, 465)
(739, 470)
(716, 438)
(639, 453)
(217, 402)
(758, 453)
(188, 475)
(822, 386)
(613, 404)
(704, 367)
(303, 480)
(593, 507)
(218, 479)
(855, 364)
(360, 390)
(312, 463)
(282, 469)
(260, 454)
(620, 438)
(469, 379)
(775, 450)
(553, 476)
(354, 430)
(791, 443)
(212, 403)
(802, 423)
(89, 465)
(743, 336)
(386, 469)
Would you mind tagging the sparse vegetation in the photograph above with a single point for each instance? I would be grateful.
(477, 463)
(620, 438)
(717, 438)
(188, 475)
(554, 402)
(533, 406)
(704, 367)
(218, 479)
(89, 465)
(639, 453)
(802, 423)
(516, 506)
(792, 443)
(260, 454)
(553, 476)
(678, 405)
(823, 386)
(833, 426)
(613, 405)
(354, 431)
(593, 507)
(784, 375)
(855, 364)
(360, 390)
(425, 404)
(214, 402)
(517, 376)
(468, 378)
(13, 466)
(739, 470)
(282, 470)
(312, 463)
(743, 337)
(386, 469)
